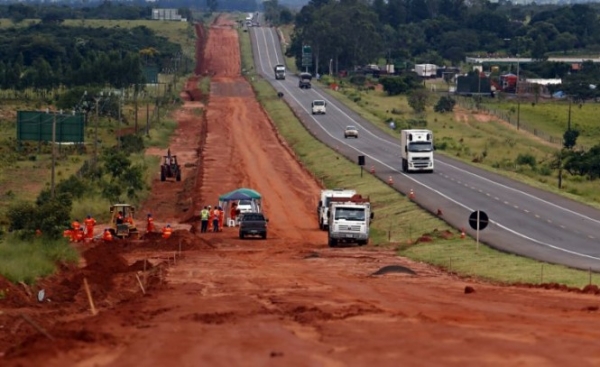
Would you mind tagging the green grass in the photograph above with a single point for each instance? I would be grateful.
(27, 261)
(398, 221)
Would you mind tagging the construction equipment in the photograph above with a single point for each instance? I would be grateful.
(121, 221)
(170, 168)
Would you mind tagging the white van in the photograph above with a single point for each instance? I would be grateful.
(247, 206)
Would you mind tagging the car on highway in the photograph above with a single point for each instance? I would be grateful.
(318, 107)
(351, 131)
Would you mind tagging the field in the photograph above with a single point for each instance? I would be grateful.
(400, 223)
(27, 170)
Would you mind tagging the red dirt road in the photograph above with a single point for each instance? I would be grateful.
(286, 301)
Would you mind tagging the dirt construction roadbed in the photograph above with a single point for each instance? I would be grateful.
(286, 301)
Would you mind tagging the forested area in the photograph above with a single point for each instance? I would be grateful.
(47, 54)
(441, 32)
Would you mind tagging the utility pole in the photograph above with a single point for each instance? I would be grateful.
(147, 119)
(52, 185)
(569, 120)
(97, 99)
(517, 93)
(136, 108)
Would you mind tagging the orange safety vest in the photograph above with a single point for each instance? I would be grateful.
(167, 231)
(75, 224)
(89, 227)
(150, 225)
(107, 236)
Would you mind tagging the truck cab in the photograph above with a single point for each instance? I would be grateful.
(416, 150)
(318, 107)
(349, 221)
(304, 82)
(279, 72)
(323, 206)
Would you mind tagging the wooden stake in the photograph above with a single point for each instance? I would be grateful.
(180, 247)
(89, 295)
(140, 283)
(174, 258)
(36, 326)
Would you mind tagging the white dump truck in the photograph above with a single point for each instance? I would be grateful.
(416, 148)
(323, 207)
(349, 221)
(279, 72)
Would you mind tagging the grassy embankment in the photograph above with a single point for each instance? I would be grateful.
(399, 222)
(23, 176)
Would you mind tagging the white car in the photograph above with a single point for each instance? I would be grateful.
(351, 131)
(246, 206)
(319, 107)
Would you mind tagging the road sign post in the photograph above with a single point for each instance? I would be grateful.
(306, 57)
(361, 163)
(478, 220)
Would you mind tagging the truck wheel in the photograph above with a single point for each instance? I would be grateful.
(264, 236)
(332, 242)
(163, 175)
(404, 165)
(321, 226)
(241, 236)
(178, 178)
(363, 242)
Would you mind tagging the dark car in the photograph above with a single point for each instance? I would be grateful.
(253, 224)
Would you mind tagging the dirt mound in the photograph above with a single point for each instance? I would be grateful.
(13, 295)
(154, 241)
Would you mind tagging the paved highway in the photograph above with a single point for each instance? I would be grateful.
(523, 220)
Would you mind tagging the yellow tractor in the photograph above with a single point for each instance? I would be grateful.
(121, 221)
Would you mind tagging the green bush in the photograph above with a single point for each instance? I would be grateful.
(445, 104)
(526, 159)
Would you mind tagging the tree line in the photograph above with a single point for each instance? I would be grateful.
(442, 32)
(47, 55)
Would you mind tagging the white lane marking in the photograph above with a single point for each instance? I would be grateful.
(431, 188)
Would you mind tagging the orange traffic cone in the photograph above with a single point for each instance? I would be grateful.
(412, 194)
(462, 233)
(390, 181)
(372, 169)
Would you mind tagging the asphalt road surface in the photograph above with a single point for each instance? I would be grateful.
(523, 220)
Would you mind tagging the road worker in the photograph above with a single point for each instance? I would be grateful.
(79, 234)
(221, 218)
(75, 226)
(167, 231)
(107, 236)
(204, 214)
(215, 219)
(210, 219)
(89, 223)
(233, 211)
(120, 217)
(150, 224)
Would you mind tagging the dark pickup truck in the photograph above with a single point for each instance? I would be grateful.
(253, 224)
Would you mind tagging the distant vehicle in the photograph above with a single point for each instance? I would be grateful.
(323, 207)
(349, 220)
(318, 107)
(246, 206)
(416, 150)
(304, 82)
(351, 131)
(279, 72)
(253, 224)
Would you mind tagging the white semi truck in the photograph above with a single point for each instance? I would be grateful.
(416, 148)
(349, 221)
(323, 207)
(279, 72)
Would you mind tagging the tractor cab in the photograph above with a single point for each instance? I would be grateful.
(170, 168)
(121, 222)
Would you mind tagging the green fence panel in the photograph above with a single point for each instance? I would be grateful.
(37, 126)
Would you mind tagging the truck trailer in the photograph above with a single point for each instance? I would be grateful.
(323, 206)
(416, 149)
